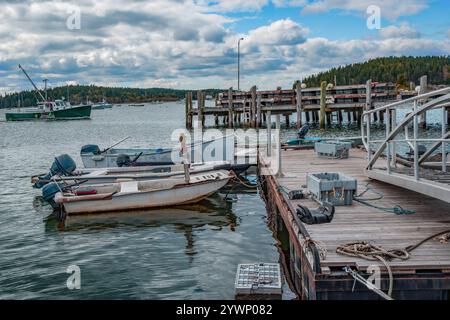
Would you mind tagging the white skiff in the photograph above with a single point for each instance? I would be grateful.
(142, 194)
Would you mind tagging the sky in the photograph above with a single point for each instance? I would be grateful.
(192, 44)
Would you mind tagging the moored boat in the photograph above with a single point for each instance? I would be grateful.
(94, 157)
(130, 195)
(49, 110)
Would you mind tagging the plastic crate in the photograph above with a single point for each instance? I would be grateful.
(258, 279)
(333, 149)
(333, 187)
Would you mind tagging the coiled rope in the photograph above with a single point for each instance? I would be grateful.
(372, 252)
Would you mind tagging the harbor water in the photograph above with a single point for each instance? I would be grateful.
(189, 252)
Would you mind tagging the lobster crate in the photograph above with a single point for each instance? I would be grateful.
(332, 187)
(333, 149)
(258, 279)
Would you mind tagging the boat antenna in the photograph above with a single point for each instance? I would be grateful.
(26, 74)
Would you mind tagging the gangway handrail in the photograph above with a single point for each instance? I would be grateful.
(412, 99)
(442, 101)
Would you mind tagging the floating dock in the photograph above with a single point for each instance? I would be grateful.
(314, 268)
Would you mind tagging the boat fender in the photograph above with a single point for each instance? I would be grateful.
(123, 160)
(323, 214)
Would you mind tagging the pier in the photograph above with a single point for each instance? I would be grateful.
(314, 267)
(401, 210)
(324, 105)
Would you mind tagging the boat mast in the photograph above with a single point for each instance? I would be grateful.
(26, 74)
(45, 88)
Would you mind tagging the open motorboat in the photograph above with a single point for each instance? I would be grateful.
(128, 195)
(63, 170)
(94, 157)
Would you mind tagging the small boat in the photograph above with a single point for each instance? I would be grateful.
(130, 195)
(63, 170)
(94, 157)
(301, 138)
(136, 105)
(49, 110)
(102, 105)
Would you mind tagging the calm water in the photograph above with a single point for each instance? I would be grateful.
(186, 252)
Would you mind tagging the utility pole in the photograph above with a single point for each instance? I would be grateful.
(239, 62)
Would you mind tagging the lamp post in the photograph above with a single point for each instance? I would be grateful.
(239, 58)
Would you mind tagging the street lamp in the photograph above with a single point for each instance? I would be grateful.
(239, 42)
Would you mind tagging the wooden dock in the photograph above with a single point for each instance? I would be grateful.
(425, 275)
(324, 105)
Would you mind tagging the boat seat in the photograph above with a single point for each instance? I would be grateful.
(129, 186)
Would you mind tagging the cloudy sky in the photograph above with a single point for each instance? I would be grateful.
(193, 43)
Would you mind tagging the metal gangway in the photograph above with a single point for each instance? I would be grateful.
(425, 167)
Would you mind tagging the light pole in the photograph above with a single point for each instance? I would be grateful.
(239, 57)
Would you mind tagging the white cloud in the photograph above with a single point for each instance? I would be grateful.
(181, 45)
(402, 31)
(389, 9)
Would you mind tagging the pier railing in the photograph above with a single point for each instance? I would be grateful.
(413, 172)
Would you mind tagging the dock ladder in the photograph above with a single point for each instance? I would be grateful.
(418, 163)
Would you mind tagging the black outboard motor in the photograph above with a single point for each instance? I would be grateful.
(90, 148)
(323, 214)
(62, 165)
(421, 148)
(303, 131)
(49, 191)
(123, 160)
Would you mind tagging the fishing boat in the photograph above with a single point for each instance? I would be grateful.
(94, 157)
(102, 105)
(130, 195)
(49, 110)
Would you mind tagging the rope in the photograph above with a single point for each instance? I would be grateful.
(321, 246)
(397, 209)
(372, 252)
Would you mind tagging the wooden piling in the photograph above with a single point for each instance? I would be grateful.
(286, 116)
(253, 107)
(258, 111)
(298, 103)
(323, 93)
(230, 108)
(200, 107)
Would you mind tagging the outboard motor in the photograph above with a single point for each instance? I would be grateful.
(62, 165)
(123, 160)
(90, 148)
(421, 148)
(323, 214)
(303, 131)
(49, 191)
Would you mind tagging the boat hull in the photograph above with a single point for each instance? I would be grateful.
(150, 199)
(163, 156)
(74, 113)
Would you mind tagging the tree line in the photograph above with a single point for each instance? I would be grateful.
(399, 70)
(78, 94)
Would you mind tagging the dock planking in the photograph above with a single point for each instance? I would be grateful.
(359, 222)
